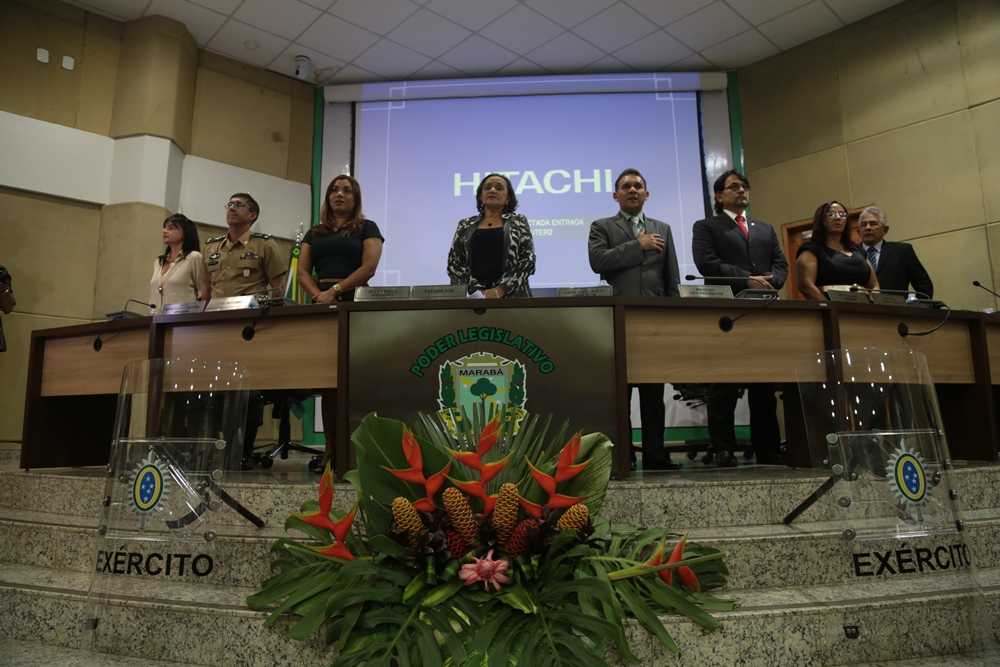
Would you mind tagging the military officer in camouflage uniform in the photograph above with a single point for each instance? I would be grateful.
(242, 262)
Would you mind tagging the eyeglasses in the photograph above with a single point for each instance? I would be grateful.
(836, 214)
(736, 187)
(236, 204)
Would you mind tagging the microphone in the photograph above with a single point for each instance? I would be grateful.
(262, 291)
(264, 300)
(114, 316)
(981, 286)
(902, 328)
(726, 322)
(920, 295)
(250, 330)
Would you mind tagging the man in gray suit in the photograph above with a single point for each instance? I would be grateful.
(636, 255)
(742, 253)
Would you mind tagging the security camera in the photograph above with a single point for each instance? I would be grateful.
(302, 67)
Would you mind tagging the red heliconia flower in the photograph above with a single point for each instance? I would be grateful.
(321, 519)
(487, 471)
(687, 575)
(487, 570)
(566, 470)
(548, 484)
(415, 473)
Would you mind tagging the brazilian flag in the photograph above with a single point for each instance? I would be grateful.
(293, 290)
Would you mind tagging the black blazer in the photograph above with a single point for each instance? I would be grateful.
(720, 249)
(898, 268)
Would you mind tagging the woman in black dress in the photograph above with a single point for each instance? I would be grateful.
(493, 252)
(830, 258)
(345, 249)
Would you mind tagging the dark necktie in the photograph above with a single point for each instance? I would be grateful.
(873, 257)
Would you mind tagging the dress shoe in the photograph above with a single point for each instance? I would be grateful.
(772, 460)
(631, 466)
(726, 460)
(247, 463)
(661, 465)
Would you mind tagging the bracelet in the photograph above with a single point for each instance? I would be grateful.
(337, 288)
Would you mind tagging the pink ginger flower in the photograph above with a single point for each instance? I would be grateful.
(487, 570)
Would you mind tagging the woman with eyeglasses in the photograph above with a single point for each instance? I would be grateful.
(344, 249)
(830, 257)
(177, 273)
(493, 252)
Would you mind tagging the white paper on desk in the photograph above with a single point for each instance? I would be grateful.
(478, 294)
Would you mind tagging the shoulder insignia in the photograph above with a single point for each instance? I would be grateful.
(215, 239)
(258, 235)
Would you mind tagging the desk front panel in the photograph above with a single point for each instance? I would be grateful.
(993, 347)
(948, 350)
(73, 368)
(686, 345)
(285, 353)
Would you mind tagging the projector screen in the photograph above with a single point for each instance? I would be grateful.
(419, 161)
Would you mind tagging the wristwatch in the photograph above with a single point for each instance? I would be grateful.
(337, 288)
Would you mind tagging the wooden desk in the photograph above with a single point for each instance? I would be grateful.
(72, 390)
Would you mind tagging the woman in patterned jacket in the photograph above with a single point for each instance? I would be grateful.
(493, 252)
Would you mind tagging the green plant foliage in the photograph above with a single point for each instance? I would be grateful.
(399, 603)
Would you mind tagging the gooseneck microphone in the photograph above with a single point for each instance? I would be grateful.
(982, 286)
(113, 317)
(726, 322)
(902, 328)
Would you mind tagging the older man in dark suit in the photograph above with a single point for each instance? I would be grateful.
(636, 255)
(896, 264)
(731, 249)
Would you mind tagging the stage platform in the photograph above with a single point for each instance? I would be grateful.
(803, 589)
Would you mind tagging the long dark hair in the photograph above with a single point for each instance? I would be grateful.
(819, 226)
(326, 221)
(511, 204)
(189, 243)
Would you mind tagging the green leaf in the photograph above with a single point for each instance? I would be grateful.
(518, 597)
(646, 616)
(441, 593)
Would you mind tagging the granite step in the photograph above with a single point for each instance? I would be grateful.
(805, 553)
(209, 625)
(759, 495)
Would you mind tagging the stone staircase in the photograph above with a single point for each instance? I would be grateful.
(807, 595)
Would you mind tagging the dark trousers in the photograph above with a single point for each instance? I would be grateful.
(765, 436)
(653, 417)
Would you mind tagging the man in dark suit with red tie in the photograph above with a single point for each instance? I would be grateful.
(733, 249)
(896, 264)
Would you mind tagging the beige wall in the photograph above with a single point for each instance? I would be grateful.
(73, 262)
(900, 110)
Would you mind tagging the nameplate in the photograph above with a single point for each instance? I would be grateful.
(706, 291)
(381, 293)
(231, 303)
(183, 308)
(598, 290)
(845, 294)
(889, 299)
(439, 292)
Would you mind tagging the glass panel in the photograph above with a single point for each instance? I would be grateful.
(179, 426)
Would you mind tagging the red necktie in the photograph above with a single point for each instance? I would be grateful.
(742, 222)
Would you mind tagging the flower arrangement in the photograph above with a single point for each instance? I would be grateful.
(481, 548)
